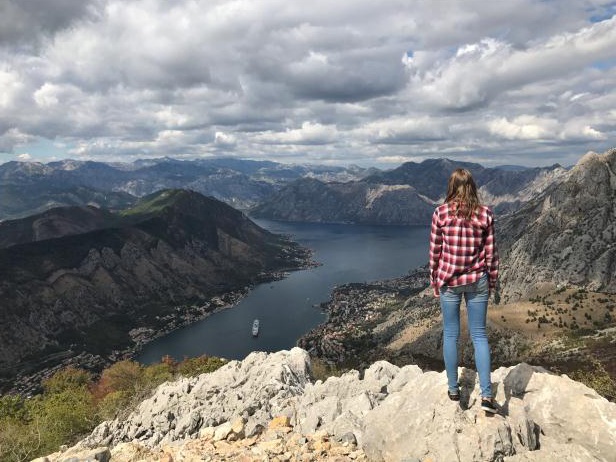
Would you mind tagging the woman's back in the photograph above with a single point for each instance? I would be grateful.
(462, 246)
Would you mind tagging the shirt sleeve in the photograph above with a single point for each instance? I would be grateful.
(436, 245)
(491, 251)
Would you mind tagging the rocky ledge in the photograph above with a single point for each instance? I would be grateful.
(267, 408)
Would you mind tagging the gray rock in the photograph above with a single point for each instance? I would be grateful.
(339, 404)
(566, 411)
(420, 421)
(260, 387)
(392, 413)
(348, 438)
(222, 431)
(101, 454)
(558, 453)
(565, 236)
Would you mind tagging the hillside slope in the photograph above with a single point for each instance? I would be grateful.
(567, 235)
(54, 223)
(311, 200)
(164, 259)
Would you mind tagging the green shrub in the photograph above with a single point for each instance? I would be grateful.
(37, 426)
(124, 375)
(12, 407)
(155, 374)
(72, 404)
(63, 416)
(114, 405)
(69, 378)
(19, 440)
(192, 367)
(595, 376)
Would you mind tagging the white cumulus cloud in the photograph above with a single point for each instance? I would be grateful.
(309, 133)
(351, 81)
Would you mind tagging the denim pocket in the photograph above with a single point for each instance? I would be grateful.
(482, 285)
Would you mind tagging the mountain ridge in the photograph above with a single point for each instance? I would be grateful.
(407, 194)
(238, 182)
(311, 200)
(30, 187)
(52, 223)
(85, 292)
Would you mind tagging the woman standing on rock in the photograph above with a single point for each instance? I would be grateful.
(464, 262)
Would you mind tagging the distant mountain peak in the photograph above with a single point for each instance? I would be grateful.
(591, 157)
(169, 199)
(450, 163)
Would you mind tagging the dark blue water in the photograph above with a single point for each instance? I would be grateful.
(286, 309)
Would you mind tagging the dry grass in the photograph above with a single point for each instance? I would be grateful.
(411, 333)
(564, 311)
(551, 313)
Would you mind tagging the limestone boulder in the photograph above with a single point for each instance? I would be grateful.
(256, 389)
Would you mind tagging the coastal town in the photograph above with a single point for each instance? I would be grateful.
(361, 318)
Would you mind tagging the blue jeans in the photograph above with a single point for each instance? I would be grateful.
(476, 297)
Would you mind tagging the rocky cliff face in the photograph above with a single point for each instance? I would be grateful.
(403, 196)
(387, 414)
(165, 258)
(496, 184)
(311, 200)
(567, 235)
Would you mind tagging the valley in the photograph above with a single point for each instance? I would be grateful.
(89, 285)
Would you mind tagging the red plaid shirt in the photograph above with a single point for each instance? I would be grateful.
(462, 250)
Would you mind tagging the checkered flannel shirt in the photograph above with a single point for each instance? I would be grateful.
(462, 250)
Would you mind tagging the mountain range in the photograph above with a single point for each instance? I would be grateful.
(81, 279)
(403, 196)
(313, 193)
(31, 187)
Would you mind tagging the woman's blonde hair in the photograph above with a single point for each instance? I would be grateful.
(462, 193)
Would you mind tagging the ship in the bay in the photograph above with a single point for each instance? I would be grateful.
(255, 327)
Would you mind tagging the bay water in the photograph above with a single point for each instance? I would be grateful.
(289, 308)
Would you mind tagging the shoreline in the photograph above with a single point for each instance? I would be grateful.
(30, 383)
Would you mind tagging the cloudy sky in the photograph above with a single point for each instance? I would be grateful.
(347, 81)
